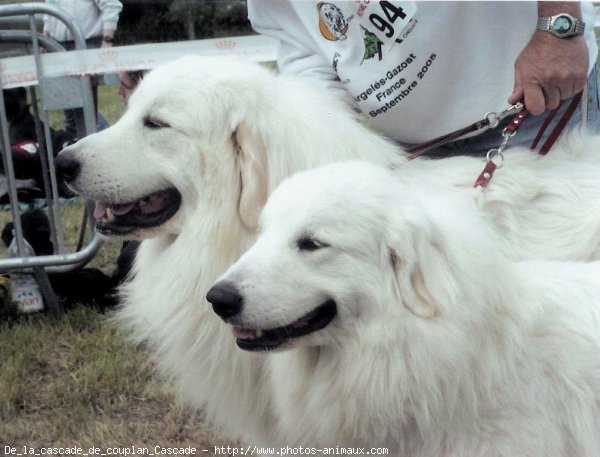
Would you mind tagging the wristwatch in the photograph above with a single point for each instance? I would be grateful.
(108, 39)
(561, 25)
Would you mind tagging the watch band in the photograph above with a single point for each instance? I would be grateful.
(108, 39)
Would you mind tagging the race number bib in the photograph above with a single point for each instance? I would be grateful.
(387, 20)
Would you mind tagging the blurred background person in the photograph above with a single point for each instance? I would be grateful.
(128, 81)
(98, 20)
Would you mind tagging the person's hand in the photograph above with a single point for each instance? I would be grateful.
(105, 44)
(549, 70)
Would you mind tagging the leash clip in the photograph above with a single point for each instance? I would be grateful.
(493, 119)
(494, 158)
(512, 109)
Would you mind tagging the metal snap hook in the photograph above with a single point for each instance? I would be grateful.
(496, 157)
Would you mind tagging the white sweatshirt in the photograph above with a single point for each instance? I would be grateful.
(92, 16)
(416, 69)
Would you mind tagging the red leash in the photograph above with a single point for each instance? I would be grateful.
(490, 120)
(495, 157)
(511, 129)
(559, 126)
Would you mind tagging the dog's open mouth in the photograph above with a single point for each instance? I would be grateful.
(123, 218)
(264, 340)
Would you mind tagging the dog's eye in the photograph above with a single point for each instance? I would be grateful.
(310, 244)
(153, 123)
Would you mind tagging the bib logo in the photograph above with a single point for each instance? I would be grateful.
(332, 23)
(372, 45)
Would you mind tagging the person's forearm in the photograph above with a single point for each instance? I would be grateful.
(110, 10)
(552, 8)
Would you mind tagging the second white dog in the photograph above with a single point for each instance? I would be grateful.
(189, 166)
(405, 327)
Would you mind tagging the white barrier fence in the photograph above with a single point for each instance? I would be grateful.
(21, 71)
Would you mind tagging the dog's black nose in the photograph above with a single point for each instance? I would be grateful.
(225, 298)
(67, 168)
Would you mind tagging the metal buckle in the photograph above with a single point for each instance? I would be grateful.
(493, 119)
(512, 109)
(497, 153)
(495, 156)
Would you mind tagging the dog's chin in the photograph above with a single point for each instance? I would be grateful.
(285, 337)
(138, 218)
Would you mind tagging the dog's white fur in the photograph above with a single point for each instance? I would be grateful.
(441, 347)
(236, 131)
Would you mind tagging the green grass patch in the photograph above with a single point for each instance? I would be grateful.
(75, 380)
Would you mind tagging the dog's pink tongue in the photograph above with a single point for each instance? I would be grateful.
(100, 210)
(243, 333)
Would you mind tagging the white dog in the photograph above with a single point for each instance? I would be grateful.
(189, 167)
(407, 327)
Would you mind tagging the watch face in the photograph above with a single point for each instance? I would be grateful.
(562, 25)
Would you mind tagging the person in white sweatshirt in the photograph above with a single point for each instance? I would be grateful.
(419, 70)
(98, 20)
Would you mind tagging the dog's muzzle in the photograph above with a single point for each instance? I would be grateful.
(227, 302)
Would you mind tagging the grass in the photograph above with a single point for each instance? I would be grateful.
(75, 380)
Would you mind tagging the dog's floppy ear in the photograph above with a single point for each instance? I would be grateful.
(422, 277)
(254, 185)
